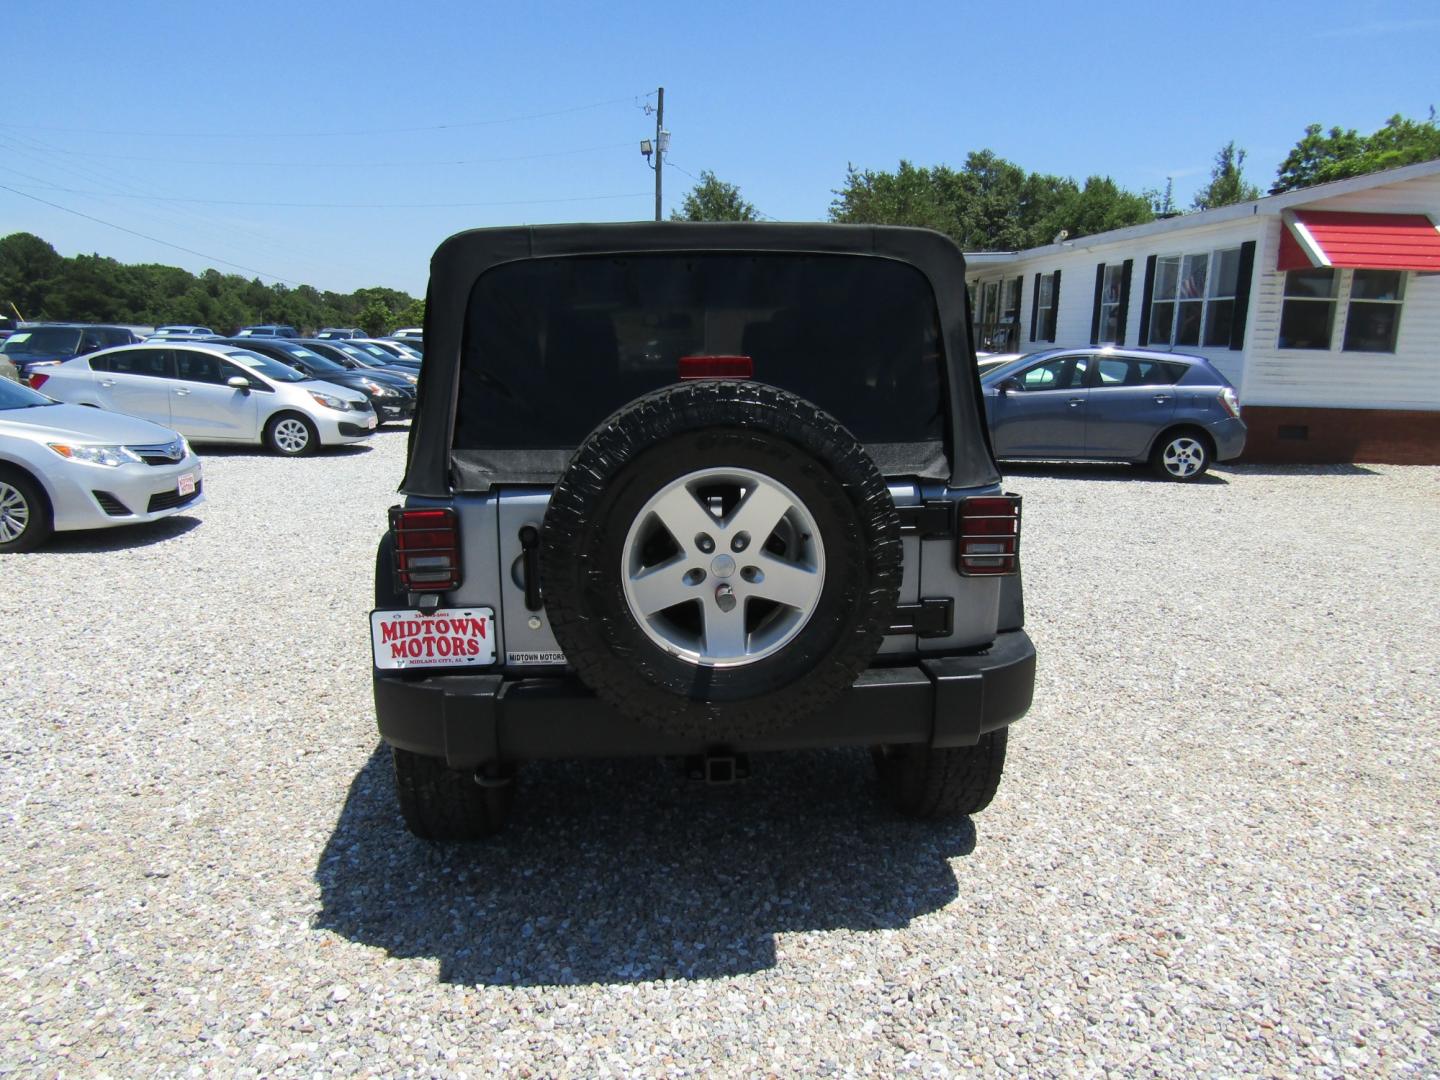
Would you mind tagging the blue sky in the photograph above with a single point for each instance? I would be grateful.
(352, 114)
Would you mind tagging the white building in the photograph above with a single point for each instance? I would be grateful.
(1322, 306)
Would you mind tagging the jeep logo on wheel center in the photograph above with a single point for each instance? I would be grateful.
(717, 490)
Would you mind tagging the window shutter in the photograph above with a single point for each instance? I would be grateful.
(1124, 311)
(1145, 298)
(1242, 294)
(1034, 306)
(1095, 315)
(1054, 305)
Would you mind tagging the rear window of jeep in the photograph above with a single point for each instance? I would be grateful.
(552, 346)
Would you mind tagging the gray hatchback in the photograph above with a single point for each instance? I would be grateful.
(1176, 412)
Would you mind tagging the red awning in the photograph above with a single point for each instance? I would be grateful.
(1316, 238)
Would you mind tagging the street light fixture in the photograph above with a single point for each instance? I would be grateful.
(646, 149)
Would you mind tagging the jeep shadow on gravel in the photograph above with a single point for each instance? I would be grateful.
(702, 491)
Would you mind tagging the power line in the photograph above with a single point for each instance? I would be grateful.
(143, 236)
(343, 205)
(325, 134)
(240, 163)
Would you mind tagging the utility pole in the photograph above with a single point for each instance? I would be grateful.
(659, 146)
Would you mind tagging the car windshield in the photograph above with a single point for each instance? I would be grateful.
(361, 355)
(15, 396)
(43, 341)
(271, 369)
(375, 351)
(314, 360)
(999, 371)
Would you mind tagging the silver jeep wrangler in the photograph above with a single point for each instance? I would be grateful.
(701, 491)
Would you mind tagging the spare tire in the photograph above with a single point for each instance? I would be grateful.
(720, 559)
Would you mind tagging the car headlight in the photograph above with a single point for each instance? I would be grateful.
(378, 389)
(110, 456)
(329, 402)
(412, 378)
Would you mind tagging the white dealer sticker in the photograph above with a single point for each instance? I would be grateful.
(518, 658)
(451, 637)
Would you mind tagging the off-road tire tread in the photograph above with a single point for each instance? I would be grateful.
(927, 783)
(444, 804)
(678, 410)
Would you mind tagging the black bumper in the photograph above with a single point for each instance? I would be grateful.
(472, 719)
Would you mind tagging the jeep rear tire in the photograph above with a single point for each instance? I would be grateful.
(720, 559)
(922, 782)
(441, 803)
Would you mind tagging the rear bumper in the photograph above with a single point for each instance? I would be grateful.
(470, 720)
(1229, 436)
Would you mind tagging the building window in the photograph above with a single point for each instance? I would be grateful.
(1110, 291)
(1044, 325)
(999, 323)
(1373, 321)
(1194, 299)
(1308, 315)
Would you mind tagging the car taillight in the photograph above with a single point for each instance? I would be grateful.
(1231, 401)
(427, 548)
(716, 367)
(989, 542)
(38, 380)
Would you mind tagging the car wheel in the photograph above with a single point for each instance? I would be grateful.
(1181, 455)
(720, 559)
(25, 520)
(441, 803)
(922, 782)
(291, 435)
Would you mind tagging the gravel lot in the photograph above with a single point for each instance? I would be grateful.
(1215, 850)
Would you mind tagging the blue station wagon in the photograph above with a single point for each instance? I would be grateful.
(1175, 412)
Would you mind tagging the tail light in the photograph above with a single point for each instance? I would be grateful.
(716, 367)
(989, 542)
(427, 548)
(1231, 401)
(38, 380)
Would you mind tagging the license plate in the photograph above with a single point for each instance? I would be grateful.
(451, 637)
(187, 483)
(371, 421)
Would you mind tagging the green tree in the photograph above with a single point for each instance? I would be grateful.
(1340, 153)
(714, 200)
(27, 267)
(375, 317)
(412, 314)
(989, 204)
(1227, 181)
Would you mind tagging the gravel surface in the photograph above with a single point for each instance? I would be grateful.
(1215, 850)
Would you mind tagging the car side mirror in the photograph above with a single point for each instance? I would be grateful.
(1006, 385)
(238, 382)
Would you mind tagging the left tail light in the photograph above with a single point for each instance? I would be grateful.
(38, 380)
(427, 548)
(989, 540)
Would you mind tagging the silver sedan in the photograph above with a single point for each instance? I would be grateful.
(70, 467)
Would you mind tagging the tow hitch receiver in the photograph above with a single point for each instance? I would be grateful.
(718, 768)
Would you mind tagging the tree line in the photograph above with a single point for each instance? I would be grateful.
(39, 284)
(991, 204)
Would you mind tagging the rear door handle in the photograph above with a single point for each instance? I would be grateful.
(182, 393)
(107, 383)
(1161, 399)
(1076, 402)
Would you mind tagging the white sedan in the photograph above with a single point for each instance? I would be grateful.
(68, 467)
(215, 393)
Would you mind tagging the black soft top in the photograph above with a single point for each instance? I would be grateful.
(436, 469)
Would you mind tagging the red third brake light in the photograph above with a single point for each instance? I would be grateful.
(427, 549)
(989, 536)
(716, 367)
